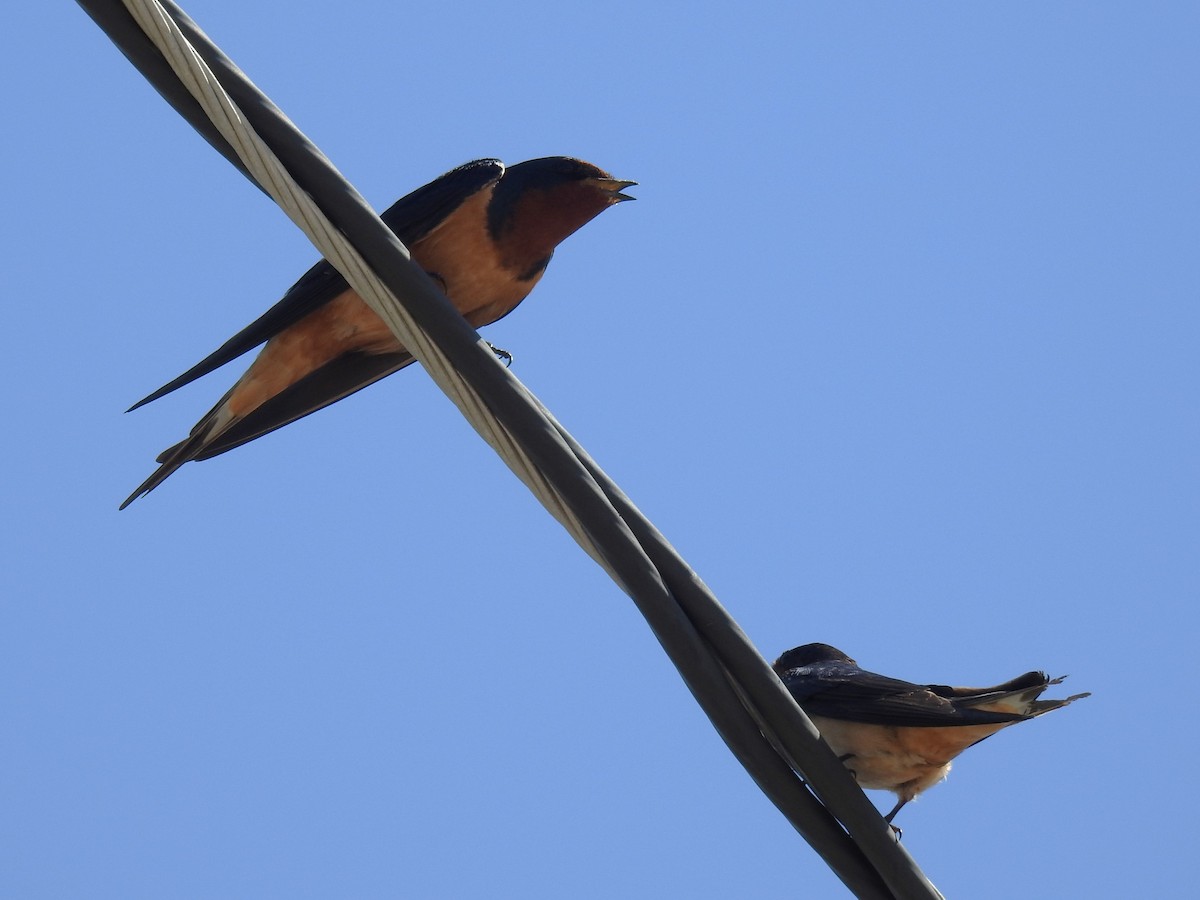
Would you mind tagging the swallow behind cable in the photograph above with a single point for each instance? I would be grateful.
(484, 233)
(897, 736)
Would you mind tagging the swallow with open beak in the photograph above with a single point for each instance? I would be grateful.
(483, 232)
(898, 736)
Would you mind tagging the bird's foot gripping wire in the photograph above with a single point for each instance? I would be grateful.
(899, 832)
(501, 354)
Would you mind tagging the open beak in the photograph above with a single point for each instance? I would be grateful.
(615, 187)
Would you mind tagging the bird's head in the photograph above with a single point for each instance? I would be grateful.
(808, 655)
(539, 203)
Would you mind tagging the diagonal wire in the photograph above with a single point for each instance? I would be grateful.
(749, 707)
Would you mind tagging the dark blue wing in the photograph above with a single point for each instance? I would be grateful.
(842, 691)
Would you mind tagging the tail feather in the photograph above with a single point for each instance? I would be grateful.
(170, 460)
(1023, 701)
(170, 451)
(1037, 707)
(214, 423)
(1033, 679)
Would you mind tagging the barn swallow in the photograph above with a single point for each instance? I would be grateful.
(897, 736)
(484, 233)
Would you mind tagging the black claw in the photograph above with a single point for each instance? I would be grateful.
(503, 355)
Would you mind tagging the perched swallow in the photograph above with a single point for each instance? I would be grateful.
(897, 736)
(484, 233)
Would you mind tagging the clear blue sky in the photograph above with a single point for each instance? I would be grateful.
(898, 346)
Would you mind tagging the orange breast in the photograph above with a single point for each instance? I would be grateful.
(904, 760)
(459, 251)
(462, 253)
